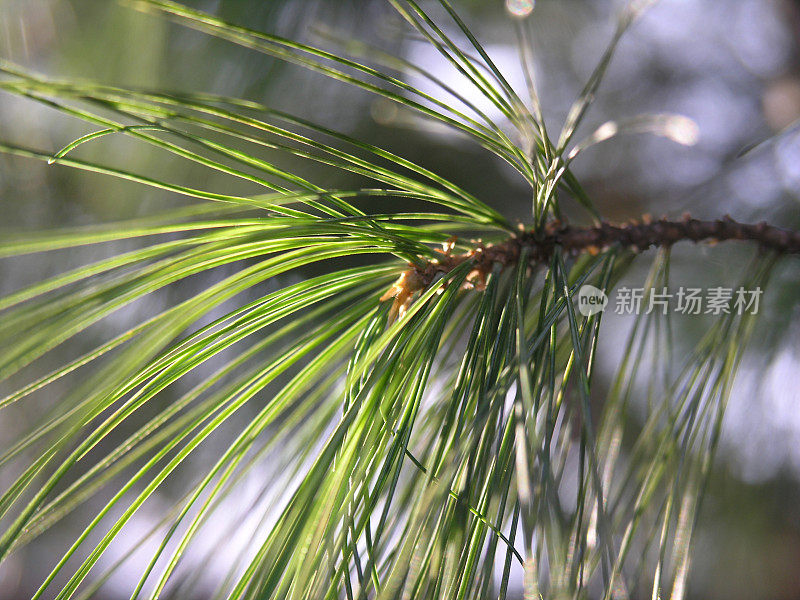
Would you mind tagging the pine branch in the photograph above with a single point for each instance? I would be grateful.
(634, 235)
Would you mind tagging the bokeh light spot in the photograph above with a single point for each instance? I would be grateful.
(520, 8)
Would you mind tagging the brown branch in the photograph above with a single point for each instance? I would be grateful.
(636, 236)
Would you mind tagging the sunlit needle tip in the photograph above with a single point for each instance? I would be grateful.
(683, 131)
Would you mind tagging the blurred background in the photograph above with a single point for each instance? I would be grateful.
(731, 65)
